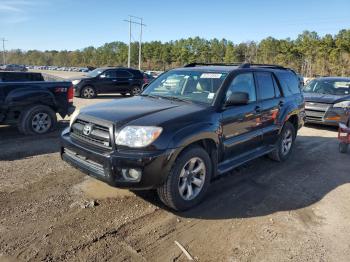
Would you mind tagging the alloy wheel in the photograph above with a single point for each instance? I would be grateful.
(88, 92)
(192, 178)
(41, 123)
(287, 142)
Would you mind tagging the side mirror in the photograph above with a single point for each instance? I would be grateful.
(237, 98)
(144, 86)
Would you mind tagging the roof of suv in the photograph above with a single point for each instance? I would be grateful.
(334, 78)
(117, 67)
(222, 67)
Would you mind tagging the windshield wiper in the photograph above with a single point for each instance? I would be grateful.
(153, 96)
(174, 98)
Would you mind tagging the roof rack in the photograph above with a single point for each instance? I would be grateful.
(249, 65)
(212, 64)
(240, 65)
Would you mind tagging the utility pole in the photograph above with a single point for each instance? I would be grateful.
(3, 50)
(141, 24)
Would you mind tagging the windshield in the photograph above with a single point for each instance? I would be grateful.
(94, 73)
(186, 85)
(329, 87)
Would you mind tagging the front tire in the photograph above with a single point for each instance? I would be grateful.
(37, 120)
(285, 143)
(188, 180)
(88, 92)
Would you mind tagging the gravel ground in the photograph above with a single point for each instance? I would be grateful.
(263, 211)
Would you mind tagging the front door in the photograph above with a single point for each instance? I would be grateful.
(241, 128)
(107, 82)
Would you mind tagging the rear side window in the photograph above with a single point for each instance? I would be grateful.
(266, 86)
(289, 83)
(123, 74)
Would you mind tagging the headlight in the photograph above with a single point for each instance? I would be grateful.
(343, 104)
(75, 82)
(73, 116)
(137, 136)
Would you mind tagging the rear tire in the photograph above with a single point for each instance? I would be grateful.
(285, 143)
(135, 91)
(88, 92)
(343, 148)
(37, 120)
(188, 180)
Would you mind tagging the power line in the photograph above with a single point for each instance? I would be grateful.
(141, 24)
(3, 50)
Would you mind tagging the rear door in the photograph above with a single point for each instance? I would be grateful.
(241, 129)
(271, 103)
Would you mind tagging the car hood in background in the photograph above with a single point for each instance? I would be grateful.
(79, 78)
(323, 98)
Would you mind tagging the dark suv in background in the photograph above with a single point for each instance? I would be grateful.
(188, 126)
(109, 80)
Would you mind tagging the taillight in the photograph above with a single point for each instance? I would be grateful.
(70, 94)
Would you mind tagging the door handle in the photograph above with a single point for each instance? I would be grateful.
(258, 109)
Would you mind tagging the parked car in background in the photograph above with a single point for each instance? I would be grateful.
(326, 100)
(176, 140)
(31, 103)
(147, 78)
(109, 80)
(13, 67)
(155, 74)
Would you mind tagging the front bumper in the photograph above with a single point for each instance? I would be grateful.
(107, 165)
(325, 115)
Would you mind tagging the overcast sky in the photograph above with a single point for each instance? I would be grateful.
(68, 24)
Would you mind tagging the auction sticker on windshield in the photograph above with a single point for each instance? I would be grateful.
(211, 75)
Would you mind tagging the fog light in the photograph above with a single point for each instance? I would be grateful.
(132, 174)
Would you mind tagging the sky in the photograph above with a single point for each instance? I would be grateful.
(75, 24)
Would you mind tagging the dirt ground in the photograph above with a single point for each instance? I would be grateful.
(263, 211)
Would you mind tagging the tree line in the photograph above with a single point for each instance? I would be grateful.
(308, 54)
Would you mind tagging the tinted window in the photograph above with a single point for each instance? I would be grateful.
(289, 82)
(110, 74)
(277, 89)
(266, 87)
(243, 83)
(123, 74)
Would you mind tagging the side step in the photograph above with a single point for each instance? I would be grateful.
(232, 163)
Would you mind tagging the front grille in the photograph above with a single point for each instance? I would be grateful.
(98, 135)
(316, 111)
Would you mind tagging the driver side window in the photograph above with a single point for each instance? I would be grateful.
(243, 83)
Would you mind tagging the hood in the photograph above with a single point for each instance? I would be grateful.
(133, 109)
(324, 98)
(78, 78)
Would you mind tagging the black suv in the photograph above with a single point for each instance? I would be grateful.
(109, 80)
(188, 126)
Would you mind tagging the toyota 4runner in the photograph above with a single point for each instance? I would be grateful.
(187, 127)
